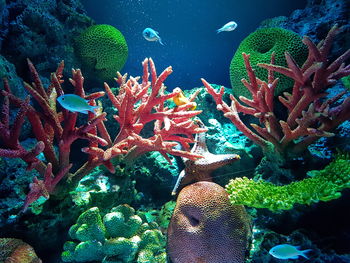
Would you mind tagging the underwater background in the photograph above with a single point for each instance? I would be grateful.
(223, 138)
(188, 29)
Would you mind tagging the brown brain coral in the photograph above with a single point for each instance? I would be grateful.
(206, 228)
(14, 250)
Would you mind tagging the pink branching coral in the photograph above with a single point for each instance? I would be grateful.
(137, 104)
(310, 115)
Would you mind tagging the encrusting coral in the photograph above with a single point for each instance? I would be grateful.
(323, 185)
(137, 104)
(205, 227)
(120, 236)
(309, 117)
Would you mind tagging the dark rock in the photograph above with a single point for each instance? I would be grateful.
(264, 240)
(42, 31)
(316, 19)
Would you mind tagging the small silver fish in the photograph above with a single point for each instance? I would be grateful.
(76, 103)
(286, 251)
(230, 26)
(151, 35)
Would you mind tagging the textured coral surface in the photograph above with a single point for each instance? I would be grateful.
(103, 50)
(14, 250)
(260, 45)
(206, 228)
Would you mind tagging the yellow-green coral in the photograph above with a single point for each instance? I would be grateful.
(346, 82)
(323, 185)
(260, 45)
(103, 49)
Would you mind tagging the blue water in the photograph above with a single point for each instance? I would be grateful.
(188, 29)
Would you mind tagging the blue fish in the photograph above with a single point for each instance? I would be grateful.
(151, 35)
(76, 103)
(230, 26)
(286, 251)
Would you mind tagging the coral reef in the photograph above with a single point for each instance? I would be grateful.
(13, 186)
(41, 31)
(309, 115)
(260, 45)
(323, 185)
(14, 250)
(137, 104)
(205, 227)
(121, 236)
(155, 178)
(99, 188)
(69, 158)
(8, 71)
(102, 50)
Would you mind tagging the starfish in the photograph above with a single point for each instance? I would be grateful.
(201, 169)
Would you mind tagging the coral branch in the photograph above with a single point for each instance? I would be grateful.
(309, 115)
(141, 103)
(136, 103)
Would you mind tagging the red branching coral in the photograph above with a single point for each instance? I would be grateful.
(310, 115)
(137, 104)
(140, 103)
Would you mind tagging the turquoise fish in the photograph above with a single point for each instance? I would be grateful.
(75, 103)
(230, 26)
(286, 251)
(151, 35)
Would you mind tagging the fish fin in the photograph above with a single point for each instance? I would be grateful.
(303, 252)
(178, 182)
(160, 41)
(84, 111)
(294, 257)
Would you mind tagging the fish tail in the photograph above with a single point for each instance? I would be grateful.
(92, 109)
(160, 42)
(218, 31)
(303, 253)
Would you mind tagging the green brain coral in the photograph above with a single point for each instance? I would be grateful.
(118, 236)
(323, 185)
(260, 45)
(103, 50)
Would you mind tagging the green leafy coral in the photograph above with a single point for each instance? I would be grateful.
(260, 45)
(120, 236)
(323, 185)
(103, 50)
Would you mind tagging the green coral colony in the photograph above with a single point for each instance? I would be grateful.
(270, 61)
(323, 185)
(103, 50)
(260, 45)
(120, 236)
